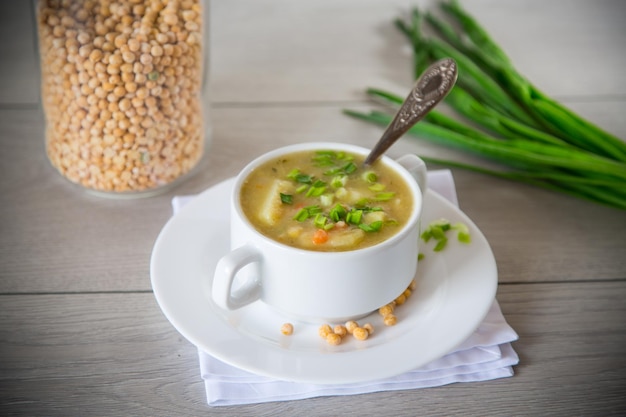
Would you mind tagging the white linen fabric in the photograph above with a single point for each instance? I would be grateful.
(487, 354)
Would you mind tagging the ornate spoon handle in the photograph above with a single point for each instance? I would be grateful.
(430, 88)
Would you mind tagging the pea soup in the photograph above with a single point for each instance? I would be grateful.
(326, 200)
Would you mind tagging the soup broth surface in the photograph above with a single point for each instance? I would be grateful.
(326, 200)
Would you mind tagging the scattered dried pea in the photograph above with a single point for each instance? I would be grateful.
(386, 309)
(400, 299)
(334, 335)
(333, 339)
(390, 320)
(287, 329)
(360, 333)
(341, 330)
(325, 330)
(351, 325)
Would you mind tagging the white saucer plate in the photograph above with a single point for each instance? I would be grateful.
(455, 289)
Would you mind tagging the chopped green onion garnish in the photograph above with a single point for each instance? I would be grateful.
(438, 229)
(320, 220)
(302, 188)
(286, 198)
(297, 176)
(370, 176)
(324, 158)
(327, 199)
(302, 215)
(354, 216)
(377, 187)
(293, 174)
(338, 181)
(307, 212)
(372, 227)
(314, 210)
(349, 168)
(304, 179)
(316, 189)
(464, 237)
(442, 223)
(337, 213)
(441, 244)
(420, 256)
(437, 232)
(384, 196)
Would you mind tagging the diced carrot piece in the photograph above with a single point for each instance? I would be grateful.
(320, 236)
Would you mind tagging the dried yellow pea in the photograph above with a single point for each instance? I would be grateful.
(333, 339)
(390, 320)
(351, 325)
(386, 309)
(286, 329)
(325, 330)
(340, 330)
(360, 333)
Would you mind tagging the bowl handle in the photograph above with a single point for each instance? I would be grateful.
(226, 270)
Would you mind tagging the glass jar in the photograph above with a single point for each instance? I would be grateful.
(124, 91)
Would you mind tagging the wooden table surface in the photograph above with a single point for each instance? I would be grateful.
(80, 330)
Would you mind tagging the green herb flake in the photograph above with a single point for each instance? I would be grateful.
(299, 177)
(338, 181)
(370, 177)
(354, 217)
(307, 212)
(384, 196)
(286, 198)
(438, 230)
(338, 213)
(293, 174)
(319, 221)
(349, 168)
(301, 215)
(326, 199)
(464, 237)
(441, 244)
(372, 227)
(377, 187)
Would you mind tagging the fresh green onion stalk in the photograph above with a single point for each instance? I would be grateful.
(502, 116)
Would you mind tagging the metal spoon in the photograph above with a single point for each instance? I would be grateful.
(430, 88)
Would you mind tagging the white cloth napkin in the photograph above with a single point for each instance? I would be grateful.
(487, 354)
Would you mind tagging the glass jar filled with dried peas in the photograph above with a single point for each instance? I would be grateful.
(124, 91)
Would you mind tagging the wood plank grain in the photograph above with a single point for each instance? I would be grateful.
(19, 66)
(277, 50)
(116, 354)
